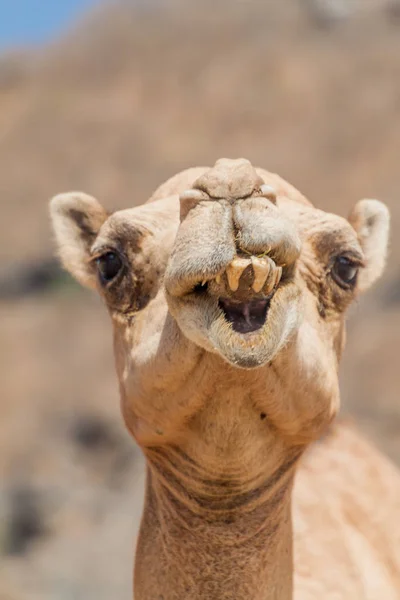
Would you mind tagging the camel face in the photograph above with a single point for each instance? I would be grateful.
(239, 275)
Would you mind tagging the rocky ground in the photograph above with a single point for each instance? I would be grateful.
(133, 94)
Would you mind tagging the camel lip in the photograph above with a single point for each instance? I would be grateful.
(245, 317)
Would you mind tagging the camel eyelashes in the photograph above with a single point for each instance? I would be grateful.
(109, 265)
(344, 272)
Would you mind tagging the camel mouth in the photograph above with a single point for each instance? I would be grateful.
(245, 317)
(245, 329)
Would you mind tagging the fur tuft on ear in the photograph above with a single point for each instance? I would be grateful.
(371, 219)
(76, 219)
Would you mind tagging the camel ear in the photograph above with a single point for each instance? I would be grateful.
(370, 219)
(76, 220)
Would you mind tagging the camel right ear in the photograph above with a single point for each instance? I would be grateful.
(76, 220)
(371, 219)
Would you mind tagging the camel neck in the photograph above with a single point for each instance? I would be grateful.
(223, 543)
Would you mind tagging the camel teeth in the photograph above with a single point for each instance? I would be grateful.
(261, 268)
(203, 283)
(278, 276)
(218, 279)
(274, 279)
(235, 270)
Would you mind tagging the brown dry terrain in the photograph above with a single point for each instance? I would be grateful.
(133, 94)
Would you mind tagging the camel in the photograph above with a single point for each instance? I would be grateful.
(228, 292)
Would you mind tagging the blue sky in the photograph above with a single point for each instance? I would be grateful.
(31, 21)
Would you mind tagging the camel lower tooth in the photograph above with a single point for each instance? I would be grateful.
(235, 270)
(218, 279)
(261, 268)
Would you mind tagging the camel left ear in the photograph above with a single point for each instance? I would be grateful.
(370, 219)
(77, 219)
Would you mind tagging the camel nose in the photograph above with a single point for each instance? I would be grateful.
(262, 230)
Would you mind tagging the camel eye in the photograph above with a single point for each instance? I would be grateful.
(344, 272)
(109, 265)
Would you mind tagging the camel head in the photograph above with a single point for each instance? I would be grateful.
(251, 273)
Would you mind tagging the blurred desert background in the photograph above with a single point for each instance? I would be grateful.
(127, 95)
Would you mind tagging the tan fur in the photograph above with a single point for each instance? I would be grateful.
(223, 417)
